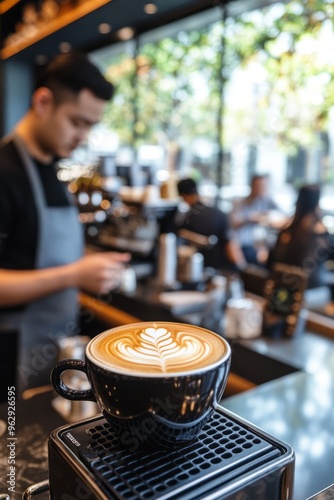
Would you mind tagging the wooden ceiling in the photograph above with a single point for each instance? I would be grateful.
(83, 34)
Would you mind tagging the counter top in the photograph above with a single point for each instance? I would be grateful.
(296, 408)
(146, 304)
(308, 351)
(34, 420)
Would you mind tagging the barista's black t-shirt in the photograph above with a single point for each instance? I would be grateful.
(18, 212)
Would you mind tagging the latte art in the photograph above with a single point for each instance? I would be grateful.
(157, 349)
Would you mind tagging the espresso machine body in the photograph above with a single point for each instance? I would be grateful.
(229, 458)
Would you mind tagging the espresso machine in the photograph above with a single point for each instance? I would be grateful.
(135, 226)
(231, 459)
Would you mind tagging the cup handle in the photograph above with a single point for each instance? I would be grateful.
(62, 389)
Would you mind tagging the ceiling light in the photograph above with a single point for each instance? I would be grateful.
(65, 47)
(104, 28)
(150, 8)
(126, 33)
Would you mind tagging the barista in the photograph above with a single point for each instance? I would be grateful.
(41, 245)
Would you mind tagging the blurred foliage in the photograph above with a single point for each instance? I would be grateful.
(166, 87)
(283, 52)
(292, 44)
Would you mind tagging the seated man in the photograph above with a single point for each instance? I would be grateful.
(207, 221)
(246, 216)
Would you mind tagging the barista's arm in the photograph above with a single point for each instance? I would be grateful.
(95, 273)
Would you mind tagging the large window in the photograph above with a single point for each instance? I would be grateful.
(222, 100)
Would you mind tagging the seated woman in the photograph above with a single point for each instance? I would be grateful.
(305, 242)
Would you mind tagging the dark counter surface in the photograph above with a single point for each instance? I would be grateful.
(296, 408)
(309, 352)
(146, 303)
(34, 420)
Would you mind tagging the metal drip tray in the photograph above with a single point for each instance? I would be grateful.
(226, 452)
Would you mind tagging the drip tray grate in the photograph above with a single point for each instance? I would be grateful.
(224, 450)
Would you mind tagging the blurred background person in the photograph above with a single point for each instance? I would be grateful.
(305, 241)
(248, 215)
(207, 221)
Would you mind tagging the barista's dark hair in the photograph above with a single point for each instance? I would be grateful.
(71, 73)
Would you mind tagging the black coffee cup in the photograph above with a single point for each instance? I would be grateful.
(155, 383)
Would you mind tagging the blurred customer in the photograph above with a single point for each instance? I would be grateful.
(41, 249)
(207, 221)
(247, 215)
(305, 242)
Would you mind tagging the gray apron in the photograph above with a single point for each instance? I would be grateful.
(43, 321)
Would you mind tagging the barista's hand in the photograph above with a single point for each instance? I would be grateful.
(99, 272)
